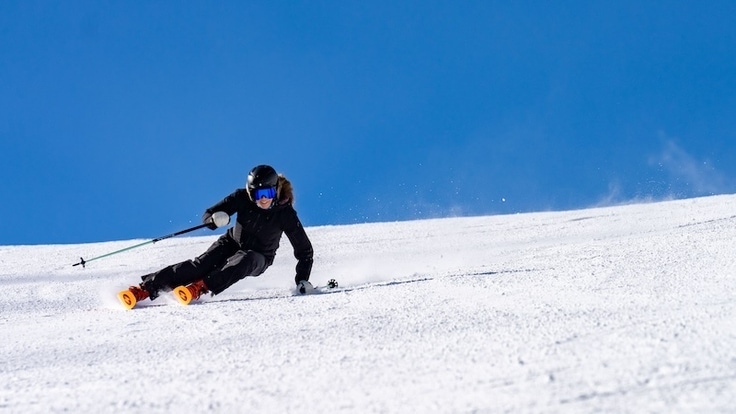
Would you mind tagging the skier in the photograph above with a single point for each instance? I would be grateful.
(264, 212)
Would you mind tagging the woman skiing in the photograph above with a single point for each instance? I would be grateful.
(264, 212)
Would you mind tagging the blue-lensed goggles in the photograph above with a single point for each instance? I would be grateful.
(268, 192)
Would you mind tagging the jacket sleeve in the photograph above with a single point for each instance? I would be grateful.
(302, 246)
(229, 204)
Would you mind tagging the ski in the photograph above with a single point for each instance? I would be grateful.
(130, 297)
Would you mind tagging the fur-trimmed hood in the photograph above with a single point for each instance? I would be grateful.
(284, 191)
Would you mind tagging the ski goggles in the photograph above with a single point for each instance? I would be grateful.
(267, 192)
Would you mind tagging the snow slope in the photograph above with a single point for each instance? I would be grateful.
(620, 309)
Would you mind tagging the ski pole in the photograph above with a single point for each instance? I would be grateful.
(168, 236)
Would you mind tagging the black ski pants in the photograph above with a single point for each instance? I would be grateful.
(220, 267)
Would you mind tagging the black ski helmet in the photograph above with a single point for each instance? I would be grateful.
(262, 176)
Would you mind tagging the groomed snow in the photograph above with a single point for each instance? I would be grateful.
(619, 309)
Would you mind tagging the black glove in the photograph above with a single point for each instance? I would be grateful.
(207, 219)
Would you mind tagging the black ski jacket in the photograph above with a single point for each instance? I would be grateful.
(261, 230)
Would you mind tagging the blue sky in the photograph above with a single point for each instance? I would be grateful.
(123, 120)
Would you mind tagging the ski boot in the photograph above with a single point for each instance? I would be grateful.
(186, 294)
(132, 295)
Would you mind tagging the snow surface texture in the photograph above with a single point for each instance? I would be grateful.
(622, 309)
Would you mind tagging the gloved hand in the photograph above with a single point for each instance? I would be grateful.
(207, 219)
(216, 219)
(304, 287)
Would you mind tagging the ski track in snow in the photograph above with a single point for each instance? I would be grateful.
(618, 309)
